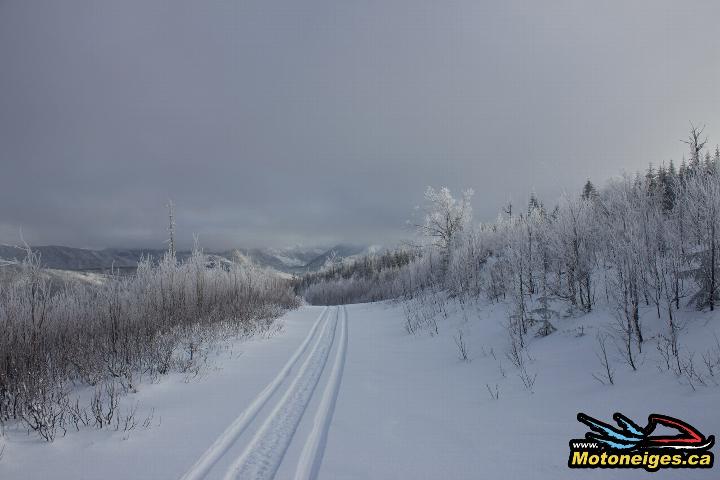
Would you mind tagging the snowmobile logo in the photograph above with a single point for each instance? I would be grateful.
(632, 446)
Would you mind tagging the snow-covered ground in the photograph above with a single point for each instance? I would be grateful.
(347, 393)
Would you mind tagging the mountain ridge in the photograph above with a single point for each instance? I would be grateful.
(293, 260)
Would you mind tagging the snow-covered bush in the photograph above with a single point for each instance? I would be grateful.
(157, 320)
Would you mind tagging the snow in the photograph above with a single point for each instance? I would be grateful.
(412, 409)
(312, 454)
(263, 455)
(347, 393)
(229, 436)
(189, 416)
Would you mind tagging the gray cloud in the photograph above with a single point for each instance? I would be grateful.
(275, 122)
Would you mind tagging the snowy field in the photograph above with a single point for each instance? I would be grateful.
(347, 393)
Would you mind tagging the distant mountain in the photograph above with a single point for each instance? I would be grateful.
(290, 259)
(295, 260)
(70, 258)
(338, 252)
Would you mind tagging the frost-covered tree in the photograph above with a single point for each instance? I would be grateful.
(644, 240)
(171, 229)
(445, 217)
(573, 242)
(701, 202)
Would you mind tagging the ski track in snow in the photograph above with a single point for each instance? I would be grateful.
(264, 453)
(211, 456)
(312, 453)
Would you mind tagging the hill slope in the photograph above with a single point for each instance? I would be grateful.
(289, 260)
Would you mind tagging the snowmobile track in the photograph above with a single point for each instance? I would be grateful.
(263, 455)
(312, 454)
(211, 456)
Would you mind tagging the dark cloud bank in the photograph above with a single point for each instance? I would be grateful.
(276, 122)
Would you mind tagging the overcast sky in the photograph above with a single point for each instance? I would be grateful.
(295, 121)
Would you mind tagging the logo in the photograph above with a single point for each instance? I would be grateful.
(631, 446)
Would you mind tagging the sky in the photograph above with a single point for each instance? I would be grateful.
(281, 122)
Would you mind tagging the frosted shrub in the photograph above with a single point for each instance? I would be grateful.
(158, 320)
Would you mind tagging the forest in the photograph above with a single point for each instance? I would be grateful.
(647, 239)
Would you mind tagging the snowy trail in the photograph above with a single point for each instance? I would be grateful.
(345, 393)
(312, 454)
(264, 454)
(203, 465)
